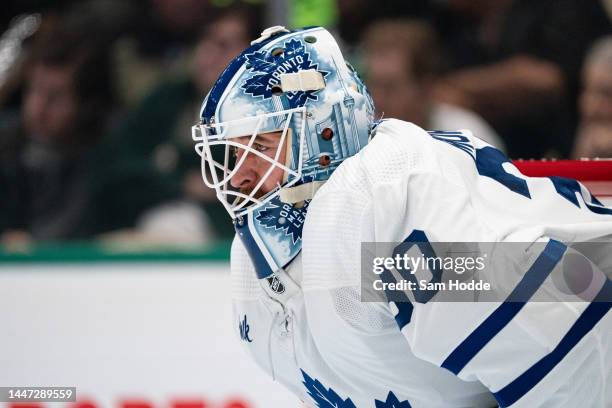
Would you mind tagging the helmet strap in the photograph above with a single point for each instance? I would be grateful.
(296, 194)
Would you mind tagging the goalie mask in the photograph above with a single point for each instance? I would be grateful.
(279, 120)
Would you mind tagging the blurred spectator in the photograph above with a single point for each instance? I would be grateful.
(66, 101)
(595, 130)
(102, 20)
(58, 178)
(158, 46)
(594, 140)
(356, 16)
(12, 50)
(400, 75)
(516, 62)
(159, 129)
(596, 98)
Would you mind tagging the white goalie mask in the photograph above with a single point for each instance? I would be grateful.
(281, 117)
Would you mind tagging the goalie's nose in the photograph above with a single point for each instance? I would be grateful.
(246, 175)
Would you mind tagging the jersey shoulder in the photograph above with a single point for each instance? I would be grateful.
(340, 215)
(398, 150)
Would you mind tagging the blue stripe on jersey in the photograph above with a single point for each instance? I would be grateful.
(587, 320)
(262, 268)
(488, 329)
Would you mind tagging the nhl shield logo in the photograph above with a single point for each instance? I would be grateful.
(275, 284)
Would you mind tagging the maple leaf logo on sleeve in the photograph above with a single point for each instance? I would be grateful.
(324, 397)
(392, 402)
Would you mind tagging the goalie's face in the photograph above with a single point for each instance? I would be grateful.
(248, 167)
(254, 168)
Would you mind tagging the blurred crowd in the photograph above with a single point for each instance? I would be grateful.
(97, 97)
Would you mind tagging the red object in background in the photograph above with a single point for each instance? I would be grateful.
(84, 404)
(236, 404)
(582, 170)
(135, 404)
(140, 403)
(596, 175)
(188, 404)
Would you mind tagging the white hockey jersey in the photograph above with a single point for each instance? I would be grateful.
(318, 339)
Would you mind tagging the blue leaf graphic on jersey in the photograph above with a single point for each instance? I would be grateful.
(325, 398)
(285, 217)
(268, 69)
(392, 402)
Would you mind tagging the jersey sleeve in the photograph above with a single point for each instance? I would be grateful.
(455, 188)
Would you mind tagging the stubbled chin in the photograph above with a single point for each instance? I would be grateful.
(257, 195)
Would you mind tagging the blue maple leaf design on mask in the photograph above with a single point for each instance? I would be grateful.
(324, 397)
(392, 402)
(290, 221)
(268, 68)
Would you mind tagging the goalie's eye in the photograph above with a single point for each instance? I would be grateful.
(259, 147)
(256, 146)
